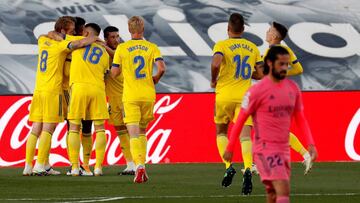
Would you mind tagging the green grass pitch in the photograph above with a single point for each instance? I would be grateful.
(328, 182)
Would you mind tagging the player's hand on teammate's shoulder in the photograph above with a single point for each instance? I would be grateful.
(213, 84)
(101, 43)
(55, 36)
(228, 156)
(97, 39)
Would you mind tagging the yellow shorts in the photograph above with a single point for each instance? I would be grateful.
(138, 112)
(87, 102)
(65, 102)
(46, 107)
(228, 111)
(116, 110)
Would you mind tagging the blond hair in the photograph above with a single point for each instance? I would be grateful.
(136, 24)
(64, 22)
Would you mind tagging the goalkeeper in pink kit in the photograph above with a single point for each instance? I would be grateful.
(273, 103)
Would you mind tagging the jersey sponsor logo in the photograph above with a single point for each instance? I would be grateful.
(280, 110)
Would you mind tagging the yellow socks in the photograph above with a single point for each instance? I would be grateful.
(67, 144)
(125, 145)
(246, 150)
(135, 146)
(44, 145)
(30, 148)
(74, 148)
(87, 143)
(222, 141)
(296, 144)
(47, 155)
(100, 148)
(143, 148)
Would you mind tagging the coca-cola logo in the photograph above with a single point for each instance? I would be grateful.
(350, 137)
(15, 129)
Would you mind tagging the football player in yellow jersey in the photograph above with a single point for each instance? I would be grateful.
(88, 99)
(234, 64)
(276, 33)
(86, 138)
(46, 108)
(135, 59)
(114, 90)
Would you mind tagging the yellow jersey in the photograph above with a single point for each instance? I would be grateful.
(136, 59)
(66, 72)
(239, 59)
(52, 54)
(296, 68)
(114, 87)
(89, 65)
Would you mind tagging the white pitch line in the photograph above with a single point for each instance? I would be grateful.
(106, 199)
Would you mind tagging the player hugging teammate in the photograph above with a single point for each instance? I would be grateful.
(72, 82)
(74, 78)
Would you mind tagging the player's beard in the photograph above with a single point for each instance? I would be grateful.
(279, 75)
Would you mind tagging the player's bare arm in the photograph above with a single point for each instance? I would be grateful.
(108, 49)
(304, 126)
(258, 74)
(115, 71)
(161, 68)
(215, 69)
(55, 36)
(83, 42)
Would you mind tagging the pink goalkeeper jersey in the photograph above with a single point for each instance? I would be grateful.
(271, 106)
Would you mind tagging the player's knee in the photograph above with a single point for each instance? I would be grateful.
(245, 133)
(282, 188)
(244, 138)
(49, 127)
(36, 129)
(74, 125)
(133, 129)
(99, 124)
(269, 188)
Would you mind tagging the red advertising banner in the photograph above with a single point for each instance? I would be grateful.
(184, 131)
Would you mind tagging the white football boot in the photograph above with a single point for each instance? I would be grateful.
(51, 171)
(85, 171)
(307, 163)
(98, 172)
(27, 170)
(39, 170)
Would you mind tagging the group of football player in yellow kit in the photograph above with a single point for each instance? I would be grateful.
(70, 83)
(236, 63)
(73, 77)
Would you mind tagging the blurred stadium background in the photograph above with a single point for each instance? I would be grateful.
(324, 34)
